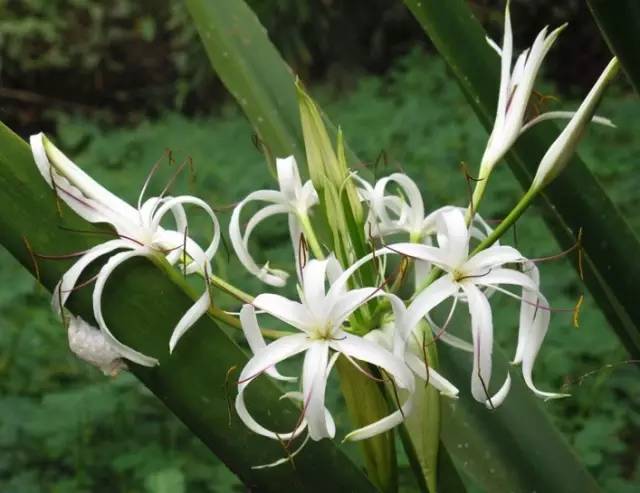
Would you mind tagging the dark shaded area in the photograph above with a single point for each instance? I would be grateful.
(126, 60)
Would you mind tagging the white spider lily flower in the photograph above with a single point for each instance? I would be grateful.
(516, 86)
(557, 156)
(319, 318)
(293, 199)
(414, 357)
(464, 276)
(89, 344)
(138, 230)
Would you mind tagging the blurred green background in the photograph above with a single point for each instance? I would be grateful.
(117, 84)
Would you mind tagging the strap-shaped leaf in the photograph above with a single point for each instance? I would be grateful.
(197, 382)
(574, 200)
(619, 23)
(513, 448)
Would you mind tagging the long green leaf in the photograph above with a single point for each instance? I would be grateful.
(574, 200)
(513, 448)
(206, 17)
(197, 381)
(619, 22)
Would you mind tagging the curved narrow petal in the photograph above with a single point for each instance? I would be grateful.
(48, 156)
(252, 334)
(370, 352)
(528, 310)
(498, 398)
(505, 276)
(284, 460)
(314, 275)
(453, 341)
(268, 357)
(426, 253)
(553, 115)
(427, 300)
(431, 376)
(314, 382)
(493, 45)
(173, 202)
(482, 332)
(453, 236)
(103, 276)
(348, 303)
(533, 340)
(69, 279)
(240, 241)
(415, 208)
(87, 208)
(295, 233)
(289, 178)
(174, 244)
(191, 316)
(384, 424)
(291, 312)
(492, 257)
(505, 68)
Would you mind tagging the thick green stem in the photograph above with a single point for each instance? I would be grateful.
(513, 216)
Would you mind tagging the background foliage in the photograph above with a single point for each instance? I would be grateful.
(63, 426)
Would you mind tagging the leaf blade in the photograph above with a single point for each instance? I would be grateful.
(192, 382)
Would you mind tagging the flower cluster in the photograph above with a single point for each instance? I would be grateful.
(137, 233)
(353, 242)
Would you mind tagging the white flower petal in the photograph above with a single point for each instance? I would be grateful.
(415, 209)
(48, 156)
(453, 228)
(426, 300)
(498, 398)
(493, 256)
(505, 276)
(240, 241)
(314, 382)
(191, 316)
(284, 460)
(313, 285)
(273, 354)
(350, 302)
(291, 312)
(289, 178)
(482, 332)
(171, 204)
(103, 276)
(453, 341)
(431, 376)
(252, 334)
(370, 352)
(69, 279)
(532, 341)
(552, 115)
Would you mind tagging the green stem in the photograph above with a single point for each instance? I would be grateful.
(478, 193)
(230, 289)
(508, 221)
(310, 236)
